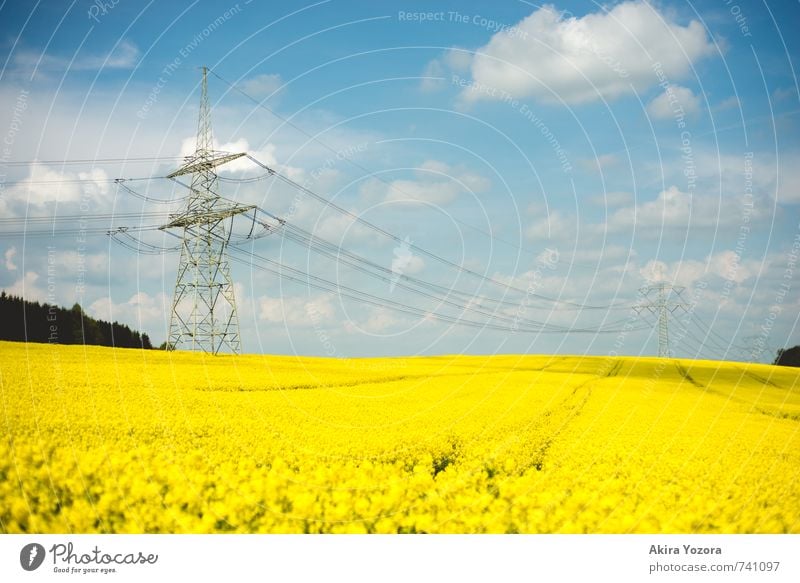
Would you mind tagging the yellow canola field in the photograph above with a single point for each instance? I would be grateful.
(113, 440)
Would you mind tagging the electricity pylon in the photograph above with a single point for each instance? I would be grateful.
(203, 313)
(663, 308)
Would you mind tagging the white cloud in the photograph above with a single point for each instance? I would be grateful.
(434, 192)
(141, 311)
(189, 145)
(9, 255)
(44, 185)
(604, 54)
(654, 271)
(731, 102)
(74, 262)
(612, 199)
(26, 287)
(672, 101)
(674, 208)
(458, 59)
(266, 155)
(433, 77)
(554, 226)
(599, 163)
(378, 320)
(605, 252)
(772, 178)
(725, 265)
(303, 311)
(123, 56)
(436, 70)
(436, 183)
(729, 265)
(336, 228)
(784, 178)
(266, 85)
(784, 93)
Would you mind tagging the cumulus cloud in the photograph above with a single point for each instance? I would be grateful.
(612, 199)
(266, 155)
(141, 310)
(305, 311)
(725, 265)
(9, 255)
(784, 93)
(266, 85)
(124, 55)
(673, 208)
(769, 177)
(783, 177)
(600, 163)
(553, 56)
(602, 252)
(672, 101)
(27, 287)
(436, 183)
(731, 102)
(555, 225)
(45, 185)
(434, 75)
(189, 145)
(339, 227)
(377, 320)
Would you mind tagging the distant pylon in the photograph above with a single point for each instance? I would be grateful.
(663, 308)
(203, 315)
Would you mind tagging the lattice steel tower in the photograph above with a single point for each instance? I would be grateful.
(663, 308)
(203, 313)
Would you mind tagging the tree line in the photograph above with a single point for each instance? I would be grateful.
(27, 321)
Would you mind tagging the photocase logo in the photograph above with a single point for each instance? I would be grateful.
(31, 556)
(401, 262)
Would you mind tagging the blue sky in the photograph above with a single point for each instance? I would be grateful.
(636, 142)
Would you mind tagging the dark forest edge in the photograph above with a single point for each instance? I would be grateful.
(26, 321)
(788, 357)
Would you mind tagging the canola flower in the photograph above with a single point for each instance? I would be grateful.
(126, 441)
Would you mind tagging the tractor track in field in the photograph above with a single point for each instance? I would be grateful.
(570, 409)
(686, 376)
(565, 411)
(727, 396)
(373, 381)
(614, 371)
(760, 379)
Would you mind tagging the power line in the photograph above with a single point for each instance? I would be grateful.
(338, 289)
(348, 160)
(437, 297)
(441, 294)
(24, 181)
(121, 183)
(418, 249)
(69, 225)
(328, 249)
(82, 218)
(90, 161)
(710, 331)
(319, 245)
(75, 231)
(704, 346)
